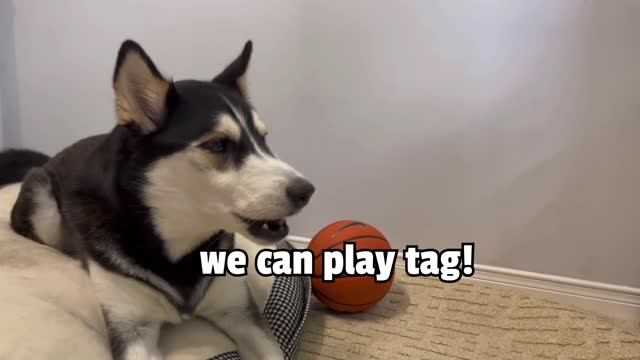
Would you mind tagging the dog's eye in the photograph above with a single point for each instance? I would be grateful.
(218, 146)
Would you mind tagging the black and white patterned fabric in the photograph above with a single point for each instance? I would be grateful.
(286, 311)
(232, 355)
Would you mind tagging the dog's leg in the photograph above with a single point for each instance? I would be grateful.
(228, 304)
(132, 341)
(134, 313)
(35, 214)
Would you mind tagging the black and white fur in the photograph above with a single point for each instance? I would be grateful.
(186, 167)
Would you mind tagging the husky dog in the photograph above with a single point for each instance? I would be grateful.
(185, 167)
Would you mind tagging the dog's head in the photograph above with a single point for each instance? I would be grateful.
(202, 154)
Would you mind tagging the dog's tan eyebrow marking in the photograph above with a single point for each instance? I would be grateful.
(227, 126)
(242, 121)
(261, 128)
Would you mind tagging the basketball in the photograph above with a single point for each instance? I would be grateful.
(348, 293)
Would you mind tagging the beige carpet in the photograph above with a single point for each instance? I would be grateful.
(425, 319)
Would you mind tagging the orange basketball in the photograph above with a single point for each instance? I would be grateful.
(348, 293)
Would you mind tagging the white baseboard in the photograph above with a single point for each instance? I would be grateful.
(616, 301)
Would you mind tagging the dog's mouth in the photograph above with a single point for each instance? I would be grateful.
(272, 230)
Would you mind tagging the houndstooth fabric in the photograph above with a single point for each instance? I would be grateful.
(286, 311)
(231, 355)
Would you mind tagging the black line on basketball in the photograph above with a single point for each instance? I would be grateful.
(317, 292)
(352, 238)
(364, 226)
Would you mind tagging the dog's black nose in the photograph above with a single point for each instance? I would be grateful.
(299, 192)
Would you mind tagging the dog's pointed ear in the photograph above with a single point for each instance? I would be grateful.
(141, 91)
(235, 74)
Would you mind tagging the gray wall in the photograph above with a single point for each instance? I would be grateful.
(9, 107)
(510, 123)
(1, 124)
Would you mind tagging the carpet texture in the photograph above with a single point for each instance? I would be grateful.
(424, 319)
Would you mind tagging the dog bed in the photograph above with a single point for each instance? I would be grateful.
(286, 309)
(48, 309)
